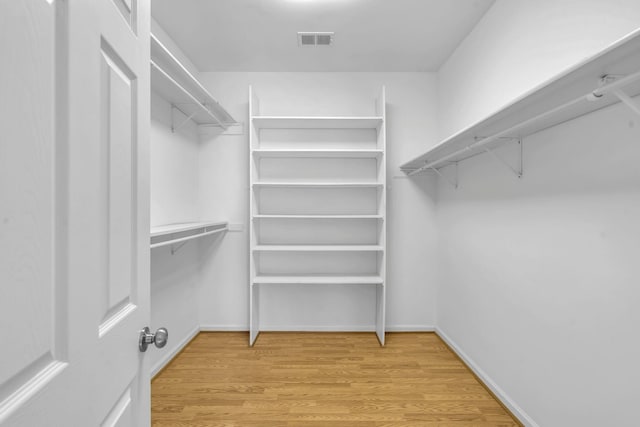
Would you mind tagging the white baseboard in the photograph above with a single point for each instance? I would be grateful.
(224, 328)
(317, 328)
(495, 389)
(173, 353)
(410, 328)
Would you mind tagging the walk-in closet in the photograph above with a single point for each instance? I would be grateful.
(319, 213)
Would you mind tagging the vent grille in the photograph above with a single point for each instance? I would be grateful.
(307, 39)
(323, 39)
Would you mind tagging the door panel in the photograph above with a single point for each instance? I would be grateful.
(74, 252)
(121, 415)
(127, 9)
(123, 223)
(117, 163)
(33, 291)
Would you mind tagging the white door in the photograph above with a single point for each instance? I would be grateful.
(74, 228)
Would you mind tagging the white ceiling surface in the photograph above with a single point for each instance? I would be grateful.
(370, 35)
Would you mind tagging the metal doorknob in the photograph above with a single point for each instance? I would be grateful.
(147, 337)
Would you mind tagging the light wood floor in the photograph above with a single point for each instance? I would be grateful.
(321, 379)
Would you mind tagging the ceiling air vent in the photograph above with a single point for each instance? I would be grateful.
(315, 39)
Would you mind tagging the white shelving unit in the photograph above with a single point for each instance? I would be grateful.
(318, 204)
(609, 77)
(176, 84)
(178, 234)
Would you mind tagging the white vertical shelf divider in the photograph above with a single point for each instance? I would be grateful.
(381, 294)
(254, 290)
(317, 202)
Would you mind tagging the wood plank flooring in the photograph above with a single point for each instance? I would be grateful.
(321, 379)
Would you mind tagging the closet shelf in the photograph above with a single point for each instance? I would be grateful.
(318, 248)
(172, 234)
(302, 122)
(301, 153)
(306, 174)
(576, 92)
(303, 184)
(320, 279)
(318, 217)
(173, 81)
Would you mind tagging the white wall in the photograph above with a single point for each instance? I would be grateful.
(174, 198)
(223, 296)
(518, 45)
(174, 167)
(538, 279)
(174, 283)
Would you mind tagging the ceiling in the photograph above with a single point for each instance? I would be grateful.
(370, 35)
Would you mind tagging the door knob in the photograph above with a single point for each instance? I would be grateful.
(147, 337)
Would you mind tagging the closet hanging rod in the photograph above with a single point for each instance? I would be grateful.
(592, 96)
(613, 86)
(191, 237)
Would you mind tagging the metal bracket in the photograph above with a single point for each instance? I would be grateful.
(606, 79)
(453, 183)
(175, 248)
(628, 101)
(223, 125)
(619, 80)
(518, 169)
(175, 127)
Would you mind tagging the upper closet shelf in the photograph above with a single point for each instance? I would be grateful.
(172, 234)
(174, 82)
(301, 122)
(611, 76)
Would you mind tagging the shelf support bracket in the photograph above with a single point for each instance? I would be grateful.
(453, 183)
(517, 171)
(175, 248)
(220, 123)
(628, 101)
(175, 127)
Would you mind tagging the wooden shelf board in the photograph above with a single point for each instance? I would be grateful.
(319, 184)
(319, 279)
(305, 122)
(323, 153)
(318, 216)
(181, 227)
(167, 88)
(621, 58)
(318, 248)
(168, 62)
(172, 234)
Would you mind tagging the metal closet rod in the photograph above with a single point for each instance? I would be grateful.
(190, 237)
(591, 96)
